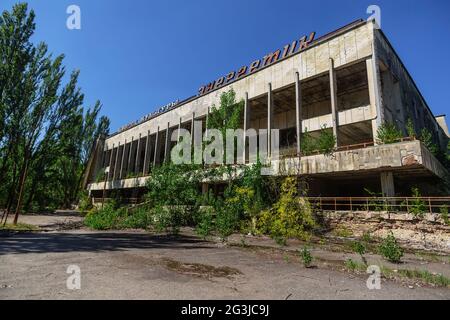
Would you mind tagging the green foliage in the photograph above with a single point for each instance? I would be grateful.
(410, 128)
(360, 248)
(366, 237)
(46, 132)
(390, 249)
(443, 210)
(326, 141)
(353, 266)
(105, 218)
(307, 258)
(205, 221)
(85, 203)
(427, 139)
(290, 217)
(388, 133)
(416, 206)
(323, 144)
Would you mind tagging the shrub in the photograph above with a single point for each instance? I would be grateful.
(326, 141)
(103, 219)
(366, 237)
(307, 258)
(360, 248)
(410, 128)
(204, 221)
(427, 139)
(140, 219)
(444, 213)
(85, 203)
(388, 133)
(290, 217)
(417, 207)
(390, 249)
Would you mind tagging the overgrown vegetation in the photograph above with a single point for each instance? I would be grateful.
(46, 131)
(323, 144)
(390, 249)
(306, 257)
(388, 133)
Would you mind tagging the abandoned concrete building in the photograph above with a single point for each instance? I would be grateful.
(350, 80)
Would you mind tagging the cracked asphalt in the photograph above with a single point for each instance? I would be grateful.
(140, 265)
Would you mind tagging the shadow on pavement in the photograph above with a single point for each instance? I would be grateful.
(93, 242)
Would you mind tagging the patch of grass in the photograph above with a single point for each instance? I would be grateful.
(307, 258)
(390, 249)
(354, 266)
(418, 275)
(19, 227)
(343, 232)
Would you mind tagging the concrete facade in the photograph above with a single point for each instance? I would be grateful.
(350, 81)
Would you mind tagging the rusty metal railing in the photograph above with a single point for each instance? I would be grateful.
(416, 205)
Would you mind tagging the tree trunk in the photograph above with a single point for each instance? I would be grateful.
(21, 188)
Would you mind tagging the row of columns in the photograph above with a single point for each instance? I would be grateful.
(247, 115)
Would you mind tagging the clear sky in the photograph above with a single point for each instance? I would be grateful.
(137, 55)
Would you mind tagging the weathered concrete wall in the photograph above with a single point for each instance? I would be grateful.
(346, 48)
(402, 155)
(401, 97)
(429, 232)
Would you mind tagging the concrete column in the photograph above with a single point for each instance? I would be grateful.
(269, 119)
(166, 146)
(130, 156)
(121, 161)
(192, 127)
(179, 130)
(116, 162)
(156, 147)
(387, 184)
(206, 124)
(334, 106)
(110, 174)
(138, 155)
(374, 96)
(298, 112)
(246, 126)
(146, 154)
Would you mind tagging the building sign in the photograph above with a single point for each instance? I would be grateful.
(160, 110)
(268, 59)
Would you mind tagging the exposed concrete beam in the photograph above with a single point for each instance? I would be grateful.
(166, 146)
(138, 155)
(146, 154)
(116, 162)
(298, 111)
(246, 126)
(156, 147)
(269, 118)
(387, 184)
(334, 106)
(130, 152)
(122, 159)
(110, 173)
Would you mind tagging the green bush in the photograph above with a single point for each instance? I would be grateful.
(85, 203)
(390, 249)
(444, 214)
(307, 258)
(103, 219)
(360, 248)
(205, 221)
(388, 133)
(139, 219)
(417, 207)
(290, 217)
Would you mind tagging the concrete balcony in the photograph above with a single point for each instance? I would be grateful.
(408, 157)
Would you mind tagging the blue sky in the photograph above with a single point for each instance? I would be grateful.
(138, 55)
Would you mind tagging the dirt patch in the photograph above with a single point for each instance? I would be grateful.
(200, 270)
